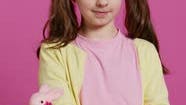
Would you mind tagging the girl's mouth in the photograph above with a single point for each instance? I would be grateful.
(101, 14)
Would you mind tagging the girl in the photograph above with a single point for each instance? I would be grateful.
(94, 63)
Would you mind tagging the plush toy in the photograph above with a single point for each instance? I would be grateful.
(45, 95)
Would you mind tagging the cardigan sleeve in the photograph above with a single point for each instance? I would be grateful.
(52, 73)
(154, 87)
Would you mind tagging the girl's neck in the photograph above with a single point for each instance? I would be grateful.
(106, 32)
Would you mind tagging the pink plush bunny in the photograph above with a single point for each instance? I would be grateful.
(45, 96)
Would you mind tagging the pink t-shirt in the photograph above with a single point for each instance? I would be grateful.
(111, 74)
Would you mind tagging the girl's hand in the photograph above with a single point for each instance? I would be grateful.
(45, 96)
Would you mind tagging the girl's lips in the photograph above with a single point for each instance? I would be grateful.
(101, 13)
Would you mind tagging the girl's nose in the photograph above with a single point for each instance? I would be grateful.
(102, 3)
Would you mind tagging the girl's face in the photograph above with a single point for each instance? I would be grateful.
(98, 12)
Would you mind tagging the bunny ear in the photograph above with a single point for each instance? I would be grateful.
(44, 88)
(54, 94)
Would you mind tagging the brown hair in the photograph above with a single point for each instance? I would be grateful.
(63, 24)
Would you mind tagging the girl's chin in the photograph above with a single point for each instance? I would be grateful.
(101, 23)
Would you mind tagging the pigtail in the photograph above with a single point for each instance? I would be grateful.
(62, 23)
(138, 23)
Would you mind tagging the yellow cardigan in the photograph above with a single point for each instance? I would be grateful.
(63, 68)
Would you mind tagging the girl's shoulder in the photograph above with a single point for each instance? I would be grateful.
(143, 44)
(69, 49)
(144, 47)
(69, 46)
(146, 52)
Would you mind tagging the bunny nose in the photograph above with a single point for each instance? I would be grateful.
(48, 103)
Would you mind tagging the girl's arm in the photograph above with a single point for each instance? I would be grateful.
(154, 87)
(52, 72)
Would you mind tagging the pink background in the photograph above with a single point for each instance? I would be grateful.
(21, 23)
